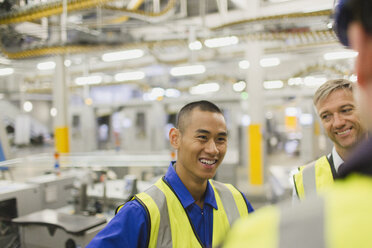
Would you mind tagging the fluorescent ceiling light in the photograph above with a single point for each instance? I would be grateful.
(155, 94)
(204, 88)
(275, 84)
(196, 45)
(340, 55)
(187, 70)
(53, 112)
(220, 42)
(88, 80)
(27, 106)
(246, 120)
(291, 111)
(306, 119)
(158, 91)
(129, 76)
(244, 64)
(123, 55)
(49, 65)
(295, 81)
(239, 86)
(67, 63)
(353, 78)
(174, 93)
(6, 71)
(269, 62)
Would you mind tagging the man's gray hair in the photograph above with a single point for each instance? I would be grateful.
(330, 86)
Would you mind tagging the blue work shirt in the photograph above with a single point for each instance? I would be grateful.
(129, 227)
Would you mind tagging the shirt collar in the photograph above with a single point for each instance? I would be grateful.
(337, 160)
(181, 191)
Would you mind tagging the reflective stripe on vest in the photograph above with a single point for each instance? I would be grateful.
(305, 223)
(313, 177)
(171, 227)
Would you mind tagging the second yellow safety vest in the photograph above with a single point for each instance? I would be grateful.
(340, 217)
(313, 177)
(170, 225)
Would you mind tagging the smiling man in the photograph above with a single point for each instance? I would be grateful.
(335, 106)
(185, 208)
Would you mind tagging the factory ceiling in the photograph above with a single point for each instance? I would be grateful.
(169, 32)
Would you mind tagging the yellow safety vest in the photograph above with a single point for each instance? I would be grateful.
(170, 225)
(313, 177)
(340, 218)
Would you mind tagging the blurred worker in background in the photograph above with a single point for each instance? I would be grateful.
(341, 217)
(184, 208)
(335, 105)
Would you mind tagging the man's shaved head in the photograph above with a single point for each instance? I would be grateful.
(182, 117)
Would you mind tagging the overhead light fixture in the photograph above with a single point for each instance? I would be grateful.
(49, 65)
(27, 106)
(306, 119)
(244, 64)
(239, 86)
(53, 112)
(67, 63)
(173, 93)
(196, 45)
(275, 84)
(246, 120)
(158, 91)
(204, 88)
(88, 80)
(123, 55)
(353, 78)
(295, 81)
(291, 111)
(221, 42)
(129, 76)
(340, 55)
(270, 62)
(155, 94)
(187, 70)
(6, 71)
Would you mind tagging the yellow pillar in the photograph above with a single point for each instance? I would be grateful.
(255, 154)
(255, 77)
(60, 102)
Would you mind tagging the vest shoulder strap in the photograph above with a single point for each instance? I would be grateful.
(312, 177)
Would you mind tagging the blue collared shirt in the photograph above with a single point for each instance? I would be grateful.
(129, 227)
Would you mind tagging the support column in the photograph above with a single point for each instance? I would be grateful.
(60, 100)
(61, 134)
(256, 111)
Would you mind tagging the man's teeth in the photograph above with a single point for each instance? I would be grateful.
(344, 132)
(209, 162)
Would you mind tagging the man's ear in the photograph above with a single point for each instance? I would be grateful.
(362, 43)
(174, 137)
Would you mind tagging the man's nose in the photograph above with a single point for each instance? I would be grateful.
(338, 120)
(211, 147)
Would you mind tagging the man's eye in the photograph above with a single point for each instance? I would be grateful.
(326, 117)
(203, 137)
(348, 110)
